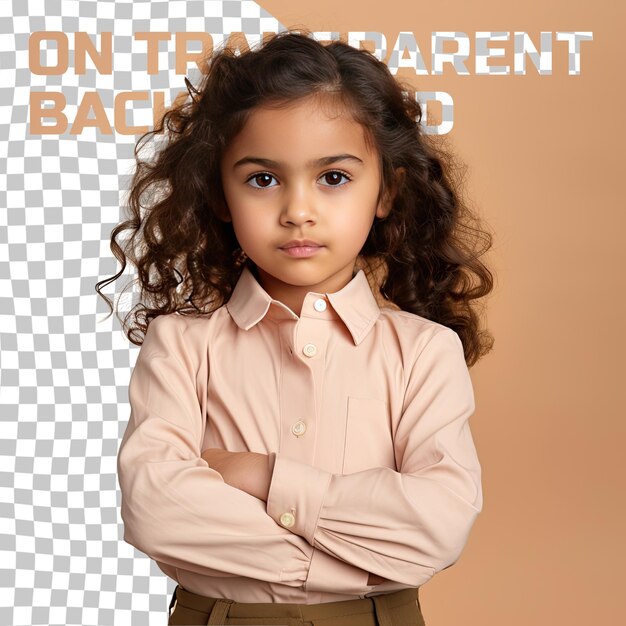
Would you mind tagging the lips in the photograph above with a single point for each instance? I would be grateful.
(301, 243)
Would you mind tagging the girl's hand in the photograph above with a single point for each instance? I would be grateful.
(250, 472)
(247, 471)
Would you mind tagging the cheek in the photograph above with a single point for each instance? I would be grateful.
(250, 229)
(242, 222)
(356, 218)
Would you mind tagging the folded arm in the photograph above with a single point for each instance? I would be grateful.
(252, 473)
(176, 508)
(402, 525)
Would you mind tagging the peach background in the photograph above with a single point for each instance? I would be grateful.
(546, 164)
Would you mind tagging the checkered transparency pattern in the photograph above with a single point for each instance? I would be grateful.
(64, 372)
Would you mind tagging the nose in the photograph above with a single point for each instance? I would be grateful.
(298, 205)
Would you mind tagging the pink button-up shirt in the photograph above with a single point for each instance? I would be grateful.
(364, 413)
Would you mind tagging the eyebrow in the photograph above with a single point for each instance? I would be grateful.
(315, 162)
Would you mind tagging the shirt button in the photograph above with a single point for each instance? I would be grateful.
(320, 304)
(299, 428)
(287, 520)
(309, 349)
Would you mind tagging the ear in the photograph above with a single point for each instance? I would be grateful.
(384, 206)
(221, 210)
(223, 216)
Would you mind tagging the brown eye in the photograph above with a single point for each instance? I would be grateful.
(334, 178)
(262, 180)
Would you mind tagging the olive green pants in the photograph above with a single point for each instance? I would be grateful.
(400, 608)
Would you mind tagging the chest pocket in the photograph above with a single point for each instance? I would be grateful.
(368, 442)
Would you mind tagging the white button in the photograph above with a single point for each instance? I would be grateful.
(320, 304)
(309, 349)
(287, 520)
(299, 428)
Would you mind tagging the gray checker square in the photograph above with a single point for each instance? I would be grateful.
(64, 369)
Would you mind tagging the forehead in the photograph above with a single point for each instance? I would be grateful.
(311, 126)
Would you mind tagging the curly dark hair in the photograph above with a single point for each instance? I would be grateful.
(422, 258)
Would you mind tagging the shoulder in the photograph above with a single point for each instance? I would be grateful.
(416, 336)
(173, 331)
(415, 330)
(175, 322)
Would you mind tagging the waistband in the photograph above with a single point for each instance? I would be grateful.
(307, 612)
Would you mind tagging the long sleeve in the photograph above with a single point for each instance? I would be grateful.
(178, 510)
(403, 525)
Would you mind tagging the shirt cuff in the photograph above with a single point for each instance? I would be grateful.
(326, 570)
(296, 495)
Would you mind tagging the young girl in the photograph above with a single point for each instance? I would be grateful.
(298, 450)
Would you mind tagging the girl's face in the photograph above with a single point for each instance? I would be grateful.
(296, 173)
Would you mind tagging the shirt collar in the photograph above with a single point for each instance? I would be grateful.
(354, 304)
